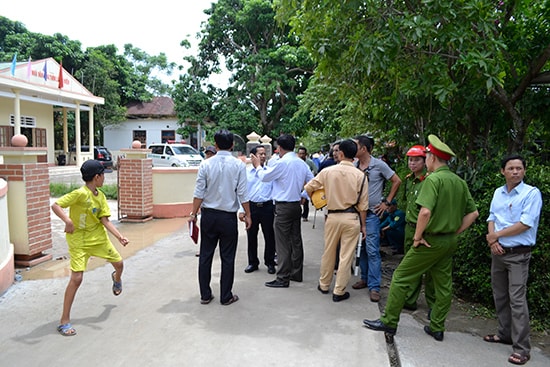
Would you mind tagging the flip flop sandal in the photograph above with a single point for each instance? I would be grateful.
(517, 358)
(233, 299)
(207, 301)
(117, 286)
(66, 329)
(492, 338)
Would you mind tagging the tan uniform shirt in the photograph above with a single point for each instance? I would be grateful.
(342, 183)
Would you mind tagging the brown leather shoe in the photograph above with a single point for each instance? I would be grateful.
(374, 296)
(360, 285)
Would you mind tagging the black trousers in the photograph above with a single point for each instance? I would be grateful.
(305, 212)
(261, 216)
(288, 241)
(218, 227)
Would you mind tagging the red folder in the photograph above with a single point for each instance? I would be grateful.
(193, 231)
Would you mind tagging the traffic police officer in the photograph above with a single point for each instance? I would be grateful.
(447, 209)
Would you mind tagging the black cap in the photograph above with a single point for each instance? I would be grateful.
(90, 168)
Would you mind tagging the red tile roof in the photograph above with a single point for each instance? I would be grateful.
(158, 107)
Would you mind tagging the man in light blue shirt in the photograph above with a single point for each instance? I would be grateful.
(512, 232)
(219, 190)
(289, 174)
(262, 213)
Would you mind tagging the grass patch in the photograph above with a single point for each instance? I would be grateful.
(60, 189)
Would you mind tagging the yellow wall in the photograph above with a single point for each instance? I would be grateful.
(173, 185)
(41, 112)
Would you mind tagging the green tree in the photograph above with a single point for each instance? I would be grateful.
(462, 69)
(269, 67)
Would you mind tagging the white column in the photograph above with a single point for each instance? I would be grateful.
(65, 134)
(17, 113)
(91, 131)
(78, 144)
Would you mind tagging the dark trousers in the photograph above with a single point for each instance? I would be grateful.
(288, 241)
(305, 212)
(261, 216)
(218, 227)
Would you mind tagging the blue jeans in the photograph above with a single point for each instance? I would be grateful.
(370, 261)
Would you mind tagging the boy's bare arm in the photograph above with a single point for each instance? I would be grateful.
(60, 212)
(111, 228)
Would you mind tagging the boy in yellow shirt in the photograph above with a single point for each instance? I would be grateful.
(86, 228)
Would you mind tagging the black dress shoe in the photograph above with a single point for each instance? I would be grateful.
(277, 284)
(410, 307)
(271, 269)
(437, 335)
(251, 268)
(379, 326)
(321, 289)
(338, 298)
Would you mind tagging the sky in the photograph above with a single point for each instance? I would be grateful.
(158, 27)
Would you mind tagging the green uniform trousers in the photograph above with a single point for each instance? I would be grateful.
(437, 262)
(428, 284)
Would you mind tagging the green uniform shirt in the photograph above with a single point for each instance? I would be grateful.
(441, 191)
(411, 190)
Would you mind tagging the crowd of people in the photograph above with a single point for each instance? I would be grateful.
(361, 193)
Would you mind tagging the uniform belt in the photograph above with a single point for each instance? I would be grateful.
(439, 234)
(411, 224)
(286, 202)
(261, 204)
(348, 210)
(517, 250)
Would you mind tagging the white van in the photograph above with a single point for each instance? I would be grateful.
(174, 155)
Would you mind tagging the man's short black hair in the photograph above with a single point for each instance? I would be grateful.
(365, 141)
(303, 148)
(224, 139)
(255, 149)
(512, 157)
(287, 142)
(349, 148)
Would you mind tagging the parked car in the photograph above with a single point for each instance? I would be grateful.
(101, 154)
(174, 155)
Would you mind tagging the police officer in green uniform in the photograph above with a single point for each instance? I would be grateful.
(411, 188)
(447, 209)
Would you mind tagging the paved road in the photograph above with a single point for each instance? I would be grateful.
(158, 320)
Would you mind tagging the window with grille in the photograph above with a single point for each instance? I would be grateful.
(26, 121)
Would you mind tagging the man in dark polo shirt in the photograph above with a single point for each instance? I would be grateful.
(447, 209)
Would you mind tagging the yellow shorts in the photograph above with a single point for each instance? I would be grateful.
(80, 255)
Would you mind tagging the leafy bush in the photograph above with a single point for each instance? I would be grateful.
(60, 189)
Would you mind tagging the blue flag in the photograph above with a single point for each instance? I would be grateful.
(45, 70)
(13, 63)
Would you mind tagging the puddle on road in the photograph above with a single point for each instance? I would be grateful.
(140, 235)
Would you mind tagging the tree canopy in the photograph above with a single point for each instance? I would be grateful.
(461, 69)
(269, 69)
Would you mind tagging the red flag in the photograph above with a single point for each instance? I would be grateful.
(60, 77)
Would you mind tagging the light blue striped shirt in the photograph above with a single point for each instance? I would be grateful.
(221, 182)
(522, 204)
(289, 175)
(258, 191)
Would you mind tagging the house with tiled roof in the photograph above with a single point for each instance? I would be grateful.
(149, 122)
